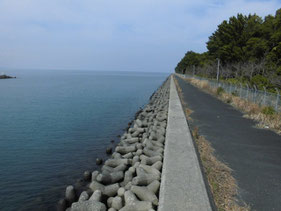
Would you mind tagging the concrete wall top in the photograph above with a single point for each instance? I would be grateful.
(182, 186)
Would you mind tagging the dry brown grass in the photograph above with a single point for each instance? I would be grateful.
(187, 110)
(200, 84)
(223, 185)
(251, 110)
(178, 87)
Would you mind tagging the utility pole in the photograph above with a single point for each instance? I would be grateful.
(218, 70)
(193, 70)
(277, 99)
(186, 70)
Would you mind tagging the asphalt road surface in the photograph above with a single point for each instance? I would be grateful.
(253, 154)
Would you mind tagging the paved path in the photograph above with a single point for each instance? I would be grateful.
(253, 154)
(182, 184)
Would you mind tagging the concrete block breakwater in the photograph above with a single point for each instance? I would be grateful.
(130, 180)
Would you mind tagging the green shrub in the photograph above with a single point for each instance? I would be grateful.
(268, 110)
(260, 81)
(233, 80)
(220, 90)
(234, 93)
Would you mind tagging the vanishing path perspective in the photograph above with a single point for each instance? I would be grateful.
(253, 154)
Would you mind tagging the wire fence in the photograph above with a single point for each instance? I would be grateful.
(261, 97)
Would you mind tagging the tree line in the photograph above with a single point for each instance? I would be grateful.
(249, 50)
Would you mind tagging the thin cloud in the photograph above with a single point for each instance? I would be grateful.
(123, 35)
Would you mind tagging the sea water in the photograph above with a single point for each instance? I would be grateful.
(54, 124)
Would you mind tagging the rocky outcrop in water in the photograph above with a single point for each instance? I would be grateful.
(130, 179)
(6, 77)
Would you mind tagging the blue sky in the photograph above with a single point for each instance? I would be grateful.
(129, 35)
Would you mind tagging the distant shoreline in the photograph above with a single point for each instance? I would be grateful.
(6, 77)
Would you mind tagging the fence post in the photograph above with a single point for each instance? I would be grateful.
(247, 96)
(240, 94)
(255, 97)
(264, 96)
(218, 69)
(277, 99)
(193, 70)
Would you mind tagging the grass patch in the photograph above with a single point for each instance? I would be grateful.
(234, 93)
(188, 111)
(268, 110)
(178, 87)
(220, 90)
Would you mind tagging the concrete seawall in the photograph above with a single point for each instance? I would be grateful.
(130, 179)
(182, 185)
(155, 151)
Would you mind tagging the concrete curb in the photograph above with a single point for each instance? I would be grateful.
(182, 186)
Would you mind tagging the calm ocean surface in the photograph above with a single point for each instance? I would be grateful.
(54, 124)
